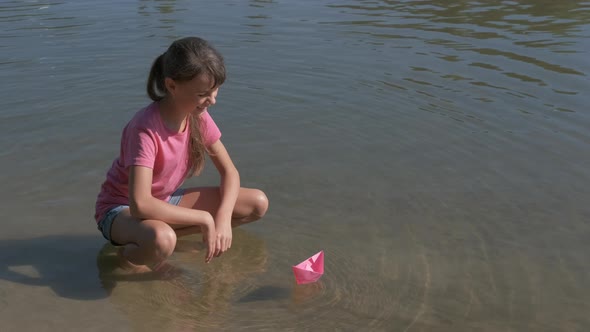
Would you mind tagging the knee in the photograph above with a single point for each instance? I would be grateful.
(260, 204)
(163, 240)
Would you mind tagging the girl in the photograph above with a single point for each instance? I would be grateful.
(140, 206)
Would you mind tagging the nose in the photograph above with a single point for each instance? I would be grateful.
(211, 100)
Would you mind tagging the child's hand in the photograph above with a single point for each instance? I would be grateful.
(209, 238)
(224, 238)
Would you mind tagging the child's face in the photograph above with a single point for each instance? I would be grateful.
(194, 95)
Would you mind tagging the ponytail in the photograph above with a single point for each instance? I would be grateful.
(184, 60)
(155, 84)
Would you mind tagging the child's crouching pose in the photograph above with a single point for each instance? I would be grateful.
(140, 206)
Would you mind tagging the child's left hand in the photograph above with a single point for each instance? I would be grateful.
(224, 237)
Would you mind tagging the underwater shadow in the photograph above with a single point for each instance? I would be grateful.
(64, 263)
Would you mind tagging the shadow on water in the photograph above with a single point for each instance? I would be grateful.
(70, 264)
(64, 263)
(198, 296)
(266, 293)
(84, 267)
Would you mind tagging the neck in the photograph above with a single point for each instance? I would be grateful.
(172, 116)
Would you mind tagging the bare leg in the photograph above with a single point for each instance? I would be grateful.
(251, 205)
(146, 242)
(149, 242)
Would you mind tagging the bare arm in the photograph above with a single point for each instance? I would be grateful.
(144, 206)
(230, 182)
(228, 191)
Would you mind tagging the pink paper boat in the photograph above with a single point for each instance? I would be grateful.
(310, 270)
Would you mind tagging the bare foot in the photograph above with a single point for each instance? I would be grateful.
(127, 266)
(166, 271)
(190, 246)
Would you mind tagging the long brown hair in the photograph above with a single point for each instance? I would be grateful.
(184, 60)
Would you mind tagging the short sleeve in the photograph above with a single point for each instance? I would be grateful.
(139, 147)
(209, 129)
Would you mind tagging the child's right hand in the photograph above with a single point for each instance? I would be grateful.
(209, 238)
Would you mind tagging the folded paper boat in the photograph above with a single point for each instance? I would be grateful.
(310, 270)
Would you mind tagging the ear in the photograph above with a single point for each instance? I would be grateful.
(170, 85)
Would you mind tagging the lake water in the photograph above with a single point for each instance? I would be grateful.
(437, 151)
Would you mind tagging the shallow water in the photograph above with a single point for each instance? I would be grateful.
(436, 152)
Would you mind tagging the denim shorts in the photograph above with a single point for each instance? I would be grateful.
(105, 224)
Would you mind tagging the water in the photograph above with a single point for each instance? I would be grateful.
(437, 152)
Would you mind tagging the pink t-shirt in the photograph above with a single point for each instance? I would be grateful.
(146, 141)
